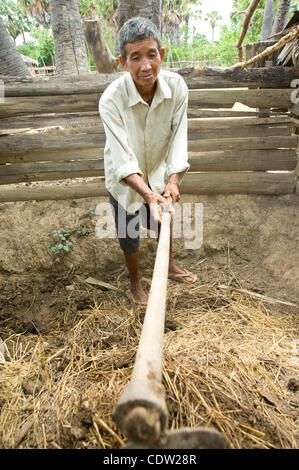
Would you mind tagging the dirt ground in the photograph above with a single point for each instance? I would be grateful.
(256, 237)
(248, 241)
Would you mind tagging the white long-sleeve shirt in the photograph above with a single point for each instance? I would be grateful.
(148, 140)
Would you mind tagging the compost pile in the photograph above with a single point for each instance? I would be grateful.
(227, 363)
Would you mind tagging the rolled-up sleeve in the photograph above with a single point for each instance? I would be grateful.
(124, 160)
(177, 157)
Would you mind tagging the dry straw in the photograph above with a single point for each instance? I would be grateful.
(227, 362)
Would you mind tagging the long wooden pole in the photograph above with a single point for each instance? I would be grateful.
(15, 106)
(141, 412)
(211, 182)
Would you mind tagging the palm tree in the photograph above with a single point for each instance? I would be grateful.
(11, 62)
(151, 9)
(69, 44)
(267, 20)
(38, 10)
(172, 19)
(281, 16)
(212, 17)
(174, 13)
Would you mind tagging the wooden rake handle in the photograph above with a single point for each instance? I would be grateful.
(141, 412)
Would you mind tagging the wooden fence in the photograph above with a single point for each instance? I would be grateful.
(50, 130)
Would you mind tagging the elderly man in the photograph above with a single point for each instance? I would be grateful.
(144, 114)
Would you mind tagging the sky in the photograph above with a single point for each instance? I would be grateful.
(223, 7)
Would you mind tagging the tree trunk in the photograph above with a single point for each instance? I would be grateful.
(102, 57)
(69, 45)
(11, 62)
(247, 17)
(213, 35)
(267, 21)
(171, 31)
(151, 9)
(281, 16)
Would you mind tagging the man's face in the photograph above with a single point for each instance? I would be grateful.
(143, 61)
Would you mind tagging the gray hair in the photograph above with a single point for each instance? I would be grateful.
(136, 29)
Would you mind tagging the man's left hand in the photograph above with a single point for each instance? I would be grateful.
(172, 188)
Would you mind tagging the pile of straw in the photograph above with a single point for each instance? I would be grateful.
(227, 363)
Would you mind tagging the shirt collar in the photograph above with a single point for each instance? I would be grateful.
(162, 91)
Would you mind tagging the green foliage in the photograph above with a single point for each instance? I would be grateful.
(177, 54)
(89, 211)
(42, 49)
(199, 41)
(28, 49)
(90, 59)
(185, 31)
(64, 243)
(212, 17)
(225, 48)
(82, 230)
(45, 47)
(255, 25)
(15, 18)
(182, 6)
(63, 235)
(108, 35)
(202, 52)
(294, 7)
(101, 8)
(197, 48)
(223, 52)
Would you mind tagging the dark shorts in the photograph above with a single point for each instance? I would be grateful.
(128, 225)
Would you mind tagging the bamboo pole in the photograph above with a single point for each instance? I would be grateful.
(141, 412)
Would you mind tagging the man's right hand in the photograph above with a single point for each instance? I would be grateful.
(156, 202)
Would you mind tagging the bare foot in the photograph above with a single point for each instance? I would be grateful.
(181, 274)
(139, 296)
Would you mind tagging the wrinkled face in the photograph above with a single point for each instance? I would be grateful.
(143, 61)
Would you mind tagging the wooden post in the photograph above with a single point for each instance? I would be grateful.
(141, 413)
(266, 111)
